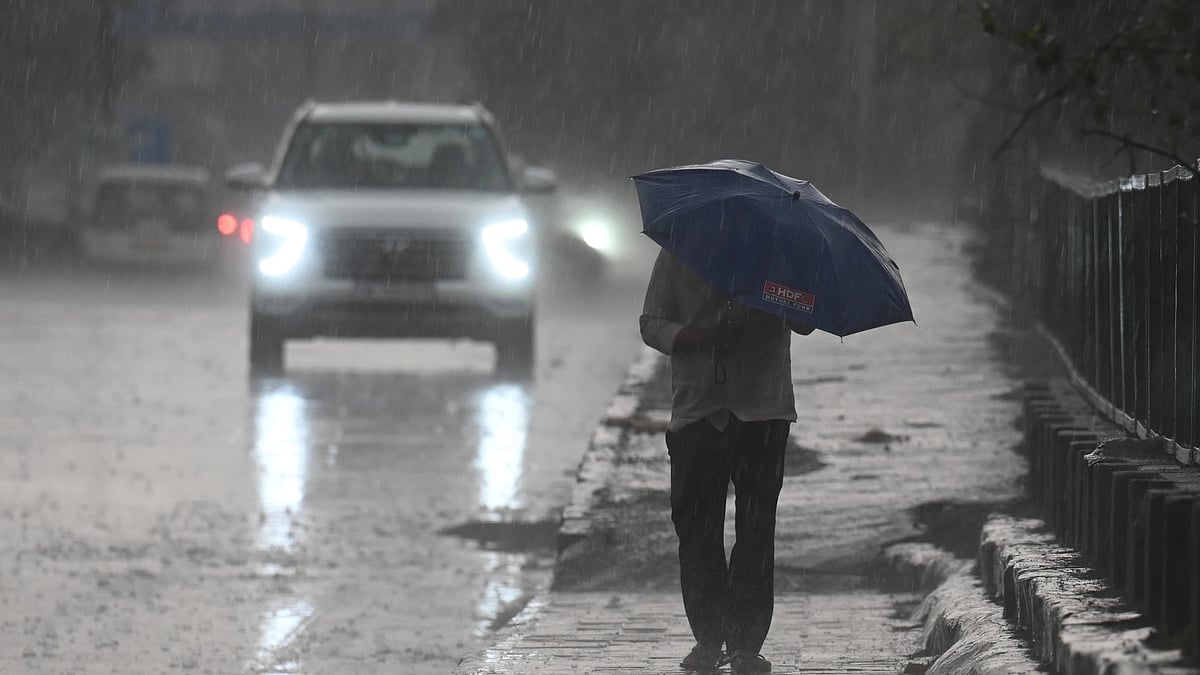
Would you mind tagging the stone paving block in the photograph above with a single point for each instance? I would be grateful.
(648, 633)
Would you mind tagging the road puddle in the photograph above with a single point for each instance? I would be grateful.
(800, 460)
(510, 536)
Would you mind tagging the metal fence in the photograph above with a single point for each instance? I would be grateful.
(1110, 273)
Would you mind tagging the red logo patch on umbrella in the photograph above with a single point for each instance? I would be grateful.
(788, 297)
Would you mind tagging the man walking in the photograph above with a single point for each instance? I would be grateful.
(732, 407)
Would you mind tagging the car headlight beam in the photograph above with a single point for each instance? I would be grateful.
(498, 239)
(597, 234)
(291, 236)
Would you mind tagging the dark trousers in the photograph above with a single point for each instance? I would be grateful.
(727, 602)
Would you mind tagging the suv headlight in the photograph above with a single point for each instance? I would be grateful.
(283, 245)
(507, 246)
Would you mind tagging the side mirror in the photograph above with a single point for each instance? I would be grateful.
(249, 176)
(537, 180)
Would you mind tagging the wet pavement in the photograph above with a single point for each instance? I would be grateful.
(620, 633)
(162, 510)
(906, 433)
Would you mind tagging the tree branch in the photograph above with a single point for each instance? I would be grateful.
(1027, 115)
(1189, 165)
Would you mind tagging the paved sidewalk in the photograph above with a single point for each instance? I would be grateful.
(898, 428)
(647, 633)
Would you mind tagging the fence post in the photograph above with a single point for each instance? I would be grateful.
(1154, 421)
(1127, 227)
(1109, 299)
(1185, 325)
(1170, 292)
(1140, 260)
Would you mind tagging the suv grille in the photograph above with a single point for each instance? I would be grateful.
(400, 256)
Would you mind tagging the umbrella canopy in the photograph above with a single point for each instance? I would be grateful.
(775, 243)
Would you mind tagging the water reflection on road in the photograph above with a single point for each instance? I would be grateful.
(357, 469)
(281, 454)
(503, 419)
(281, 449)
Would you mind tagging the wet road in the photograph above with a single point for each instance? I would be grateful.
(161, 510)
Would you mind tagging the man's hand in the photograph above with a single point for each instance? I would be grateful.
(801, 328)
(695, 338)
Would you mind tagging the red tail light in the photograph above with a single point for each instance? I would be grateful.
(246, 231)
(227, 224)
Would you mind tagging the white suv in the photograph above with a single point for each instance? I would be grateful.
(392, 220)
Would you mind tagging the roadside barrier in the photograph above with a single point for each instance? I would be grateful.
(1110, 273)
(1132, 512)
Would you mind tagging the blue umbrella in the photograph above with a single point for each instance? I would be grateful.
(774, 243)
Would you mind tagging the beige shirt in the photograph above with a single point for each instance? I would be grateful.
(748, 376)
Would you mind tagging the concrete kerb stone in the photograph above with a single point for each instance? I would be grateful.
(578, 535)
(1076, 624)
(962, 630)
(967, 632)
(920, 566)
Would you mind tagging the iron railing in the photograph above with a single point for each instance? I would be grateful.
(1109, 271)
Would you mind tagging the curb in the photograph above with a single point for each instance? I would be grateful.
(1077, 623)
(968, 633)
(578, 535)
(1027, 585)
(964, 633)
(1125, 505)
(919, 566)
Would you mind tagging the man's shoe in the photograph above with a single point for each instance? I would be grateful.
(702, 659)
(746, 662)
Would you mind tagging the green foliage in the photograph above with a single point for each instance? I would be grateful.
(1126, 72)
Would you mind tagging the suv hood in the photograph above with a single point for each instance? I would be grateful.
(422, 209)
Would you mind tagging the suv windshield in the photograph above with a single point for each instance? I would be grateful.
(373, 155)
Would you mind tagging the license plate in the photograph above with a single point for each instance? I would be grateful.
(398, 291)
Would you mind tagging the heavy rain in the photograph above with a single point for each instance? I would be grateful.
(380, 336)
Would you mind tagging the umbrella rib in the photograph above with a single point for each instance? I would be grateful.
(673, 213)
(828, 252)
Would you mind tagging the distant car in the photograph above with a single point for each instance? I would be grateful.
(150, 214)
(387, 219)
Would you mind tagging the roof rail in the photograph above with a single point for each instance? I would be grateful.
(483, 112)
(304, 109)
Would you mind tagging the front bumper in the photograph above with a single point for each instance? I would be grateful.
(443, 309)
